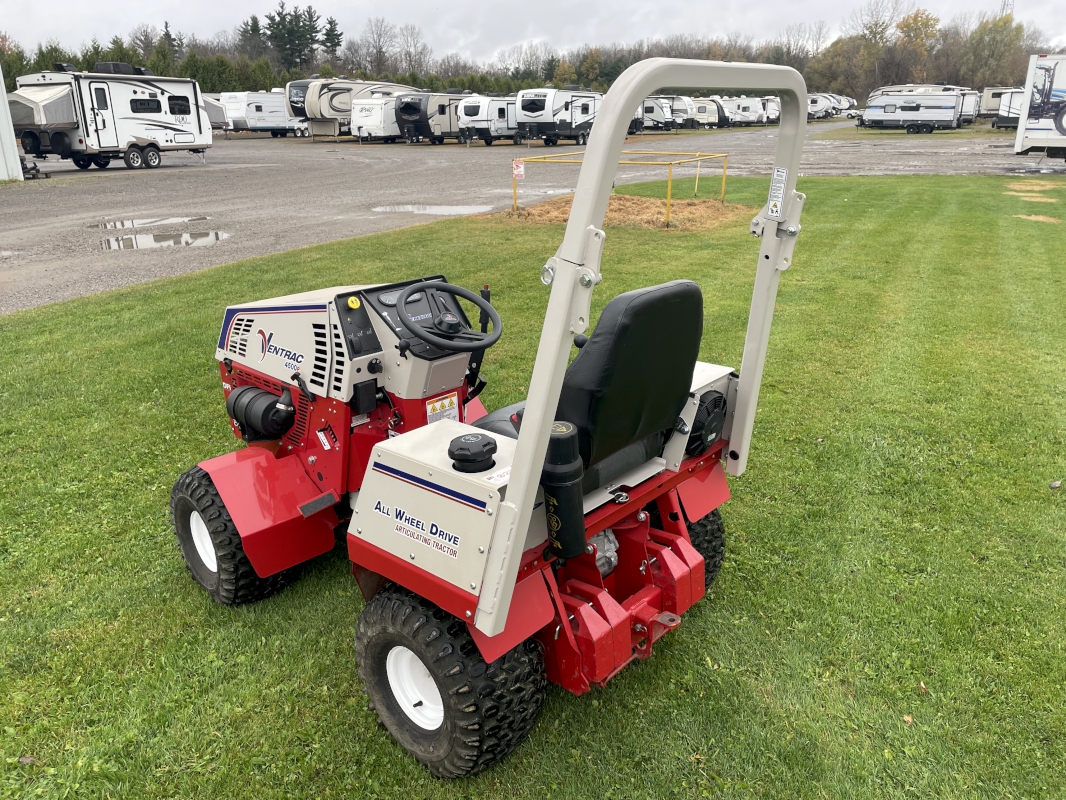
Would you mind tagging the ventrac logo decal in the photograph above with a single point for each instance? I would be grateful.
(429, 534)
(292, 359)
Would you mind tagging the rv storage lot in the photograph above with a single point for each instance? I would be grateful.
(272, 195)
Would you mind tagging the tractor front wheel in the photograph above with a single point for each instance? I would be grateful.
(211, 545)
(708, 538)
(434, 692)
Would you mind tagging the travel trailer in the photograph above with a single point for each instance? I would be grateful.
(682, 108)
(916, 112)
(819, 107)
(772, 109)
(653, 114)
(920, 88)
(748, 111)
(489, 117)
(552, 114)
(971, 106)
(1042, 124)
(430, 116)
(115, 112)
(1010, 109)
(990, 98)
(261, 112)
(216, 112)
(710, 113)
(374, 119)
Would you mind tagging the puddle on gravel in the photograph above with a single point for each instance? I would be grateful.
(146, 223)
(148, 241)
(438, 211)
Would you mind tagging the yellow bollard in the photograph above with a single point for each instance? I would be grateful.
(725, 166)
(669, 186)
(696, 191)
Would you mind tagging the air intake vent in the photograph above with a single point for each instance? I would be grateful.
(238, 338)
(321, 365)
(339, 363)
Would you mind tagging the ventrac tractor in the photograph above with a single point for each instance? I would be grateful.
(555, 540)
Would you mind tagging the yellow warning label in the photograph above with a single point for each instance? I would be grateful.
(446, 407)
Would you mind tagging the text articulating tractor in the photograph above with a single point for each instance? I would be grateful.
(552, 540)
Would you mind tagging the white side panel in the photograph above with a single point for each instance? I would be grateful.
(10, 165)
(414, 505)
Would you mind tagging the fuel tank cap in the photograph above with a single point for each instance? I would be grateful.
(472, 452)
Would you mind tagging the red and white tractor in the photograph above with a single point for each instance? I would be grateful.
(553, 540)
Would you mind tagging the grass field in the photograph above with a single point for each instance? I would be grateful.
(888, 622)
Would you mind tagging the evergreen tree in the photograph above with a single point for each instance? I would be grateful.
(332, 39)
(161, 61)
(167, 38)
(250, 39)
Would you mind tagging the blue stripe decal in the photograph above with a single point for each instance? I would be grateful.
(435, 487)
(232, 312)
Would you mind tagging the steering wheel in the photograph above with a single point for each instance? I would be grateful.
(446, 329)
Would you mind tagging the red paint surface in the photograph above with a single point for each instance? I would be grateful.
(531, 609)
(263, 495)
(449, 597)
(704, 492)
(475, 410)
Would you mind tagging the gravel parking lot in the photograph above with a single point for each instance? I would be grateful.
(258, 195)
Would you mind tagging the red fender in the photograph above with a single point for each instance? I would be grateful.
(703, 492)
(282, 517)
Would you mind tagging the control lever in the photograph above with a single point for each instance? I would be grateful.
(473, 374)
(308, 395)
(403, 346)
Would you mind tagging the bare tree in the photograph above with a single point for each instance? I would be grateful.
(412, 51)
(454, 65)
(143, 39)
(352, 57)
(378, 43)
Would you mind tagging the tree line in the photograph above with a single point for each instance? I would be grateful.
(882, 42)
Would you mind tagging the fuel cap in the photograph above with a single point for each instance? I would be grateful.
(472, 452)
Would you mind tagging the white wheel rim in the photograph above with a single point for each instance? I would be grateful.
(414, 688)
(205, 548)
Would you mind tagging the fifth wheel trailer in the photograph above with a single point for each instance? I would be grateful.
(96, 117)
(1042, 116)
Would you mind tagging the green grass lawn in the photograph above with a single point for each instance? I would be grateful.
(888, 622)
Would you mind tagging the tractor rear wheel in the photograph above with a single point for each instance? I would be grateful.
(708, 538)
(434, 692)
(211, 545)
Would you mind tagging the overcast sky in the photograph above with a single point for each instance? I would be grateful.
(478, 28)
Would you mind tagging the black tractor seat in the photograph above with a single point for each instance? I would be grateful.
(627, 386)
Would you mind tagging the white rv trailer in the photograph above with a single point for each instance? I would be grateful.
(553, 114)
(216, 112)
(971, 106)
(261, 112)
(920, 88)
(682, 108)
(819, 106)
(489, 117)
(652, 114)
(1010, 109)
(916, 112)
(1042, 126)
(374, 119)
(748, 111)
(710, 113)
(772, 109)
(95, 117)
(990, 98)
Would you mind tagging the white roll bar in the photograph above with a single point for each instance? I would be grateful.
(575, 270)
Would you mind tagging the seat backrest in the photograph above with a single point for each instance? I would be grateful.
(633, 375)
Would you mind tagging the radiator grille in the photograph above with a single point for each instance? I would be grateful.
(321, 364)
(238, 338)
(338, 363)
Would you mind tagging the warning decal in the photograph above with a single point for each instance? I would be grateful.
(777, 192)
(446, 407)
